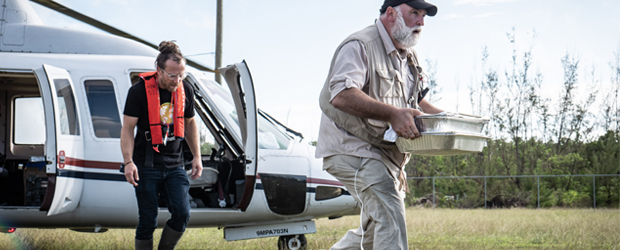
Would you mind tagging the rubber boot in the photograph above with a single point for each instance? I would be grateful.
(169, 238)
(144, 244)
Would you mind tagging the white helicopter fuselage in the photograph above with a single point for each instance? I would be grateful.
(75, 85)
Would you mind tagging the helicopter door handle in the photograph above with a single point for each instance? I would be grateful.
(61, 159)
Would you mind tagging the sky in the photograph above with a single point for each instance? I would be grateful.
(288, 45)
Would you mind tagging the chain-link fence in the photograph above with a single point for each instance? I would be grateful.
(533, 191)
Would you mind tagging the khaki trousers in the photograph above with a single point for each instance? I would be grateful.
(372, 184)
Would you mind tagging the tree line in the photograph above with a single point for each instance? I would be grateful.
(531, 134)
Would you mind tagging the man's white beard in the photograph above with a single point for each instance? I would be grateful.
(404, 35)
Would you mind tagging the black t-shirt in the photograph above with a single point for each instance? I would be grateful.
(136, 106)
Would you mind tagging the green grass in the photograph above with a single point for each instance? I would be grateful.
(427, 229)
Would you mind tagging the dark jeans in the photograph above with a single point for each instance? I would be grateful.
(173, 184)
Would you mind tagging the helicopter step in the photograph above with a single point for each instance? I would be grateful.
(269, 230)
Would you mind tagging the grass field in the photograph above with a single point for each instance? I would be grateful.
(427, 229)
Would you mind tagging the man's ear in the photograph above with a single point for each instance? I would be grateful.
(390, 13)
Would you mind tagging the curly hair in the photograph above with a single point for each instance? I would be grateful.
(168, 50)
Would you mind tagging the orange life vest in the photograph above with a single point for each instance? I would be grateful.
(153, 102)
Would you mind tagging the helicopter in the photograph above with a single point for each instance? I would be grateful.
(62, 93)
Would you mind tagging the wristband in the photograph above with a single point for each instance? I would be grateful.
(122, 168)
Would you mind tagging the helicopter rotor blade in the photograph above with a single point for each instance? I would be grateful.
(107, 28)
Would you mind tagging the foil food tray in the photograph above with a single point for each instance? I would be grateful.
(450, 123)
(442, 144)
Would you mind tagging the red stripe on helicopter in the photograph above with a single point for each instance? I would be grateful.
(92, 164)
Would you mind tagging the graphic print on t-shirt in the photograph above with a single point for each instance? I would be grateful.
(166, 113)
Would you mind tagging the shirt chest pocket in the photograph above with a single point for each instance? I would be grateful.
(388, 83)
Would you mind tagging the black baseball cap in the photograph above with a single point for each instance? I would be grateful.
(431, 9)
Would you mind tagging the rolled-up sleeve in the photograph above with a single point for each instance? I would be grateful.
(350, 68)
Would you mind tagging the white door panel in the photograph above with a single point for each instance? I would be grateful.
(240, 83)
(69, 142)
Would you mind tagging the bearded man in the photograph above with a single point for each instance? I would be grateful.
(374, 82)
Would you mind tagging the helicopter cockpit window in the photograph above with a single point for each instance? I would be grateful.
(269, 136)
(103, 108)
(207, 142)
(28, 121)
(69, 124)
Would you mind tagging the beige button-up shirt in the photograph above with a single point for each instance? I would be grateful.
(350, 70)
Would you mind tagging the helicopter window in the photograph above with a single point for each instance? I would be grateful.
(269, 136)
(29, 121)
(326, 192)
(135, 77)
(69, 124)
(207, 142)
(103, 108)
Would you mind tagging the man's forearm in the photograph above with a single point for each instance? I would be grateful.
(127, 145)
(192, 136)
(357, 103)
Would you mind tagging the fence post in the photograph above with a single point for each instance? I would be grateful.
(433, 193)
(594, 191)
(538, 189)
(485, 192)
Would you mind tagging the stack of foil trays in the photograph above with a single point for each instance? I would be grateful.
(446, 134)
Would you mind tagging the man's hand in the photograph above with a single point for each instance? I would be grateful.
(403, 123)
(131, 174)
(196, 167)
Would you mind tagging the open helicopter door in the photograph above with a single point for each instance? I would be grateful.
(239, 82)
(69, 142)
